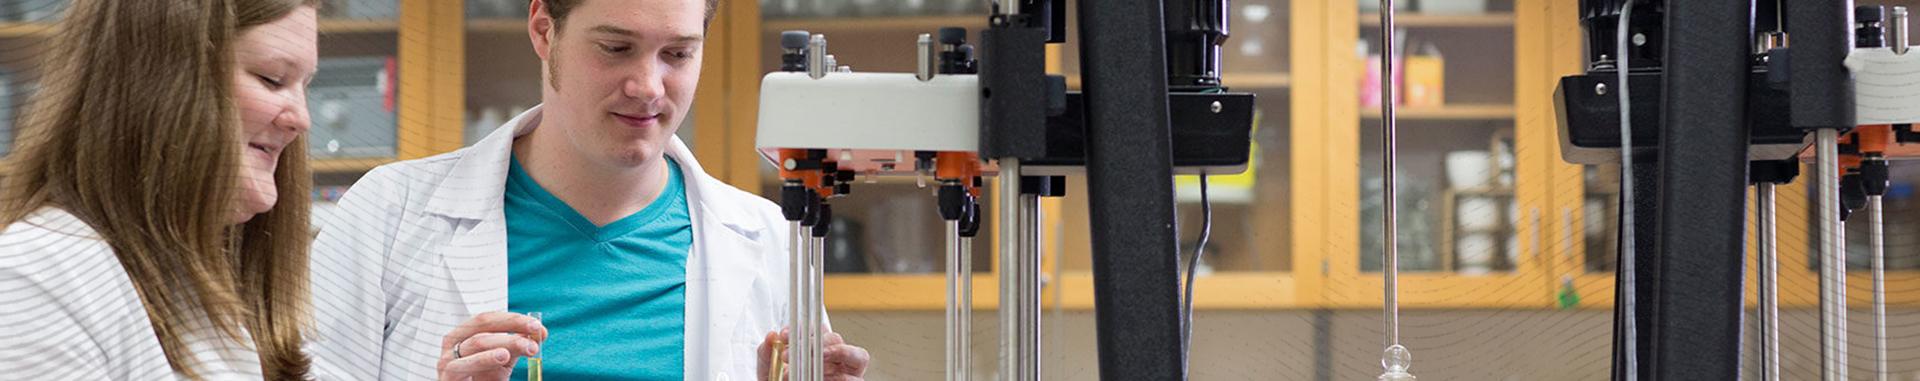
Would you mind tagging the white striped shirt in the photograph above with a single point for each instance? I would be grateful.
(68, 311)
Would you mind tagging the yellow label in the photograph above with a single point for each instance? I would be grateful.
(1426, 78)
(1243, 181)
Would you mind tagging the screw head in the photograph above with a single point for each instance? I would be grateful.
(1216, 107)
(1600, 89)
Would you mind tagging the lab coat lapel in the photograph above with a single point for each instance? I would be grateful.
(721, 268)
(472, 200)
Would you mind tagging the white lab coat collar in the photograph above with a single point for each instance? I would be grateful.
(722, 265)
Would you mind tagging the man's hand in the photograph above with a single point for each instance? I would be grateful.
(844, 362)
(486, 347)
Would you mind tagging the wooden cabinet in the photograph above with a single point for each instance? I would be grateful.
(1491, 216)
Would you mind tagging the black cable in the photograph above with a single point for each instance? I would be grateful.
(1206, 230)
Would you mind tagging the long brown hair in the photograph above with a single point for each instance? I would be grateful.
(134, 130)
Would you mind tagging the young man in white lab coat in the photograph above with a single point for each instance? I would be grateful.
(586, 209)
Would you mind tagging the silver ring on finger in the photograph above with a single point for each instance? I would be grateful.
(456, 347)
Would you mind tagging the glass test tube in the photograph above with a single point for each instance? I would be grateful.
(533, 362)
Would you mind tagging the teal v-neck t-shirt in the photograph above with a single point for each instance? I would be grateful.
(613, 297)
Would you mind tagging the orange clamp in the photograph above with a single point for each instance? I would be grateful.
(1874, 139)
(955, 165)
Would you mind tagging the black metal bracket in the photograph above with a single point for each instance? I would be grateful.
(1721, 112)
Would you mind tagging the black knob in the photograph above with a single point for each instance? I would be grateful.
(825, 222)
(953, 36)
(1868, 33)
(794, 39)
(1874, 177)
(1867, 14)
(952, 202)
(970, 221)
(1853, 194)
(793, 202)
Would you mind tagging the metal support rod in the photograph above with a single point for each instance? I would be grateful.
(1029, 306)
(1769, 290)
(1878, 245)
(926, 65)
(809, 339)
(801, 337)
(797, 301)
(1897, 26)
(966, 307)
(954, 369)
(817, 57)
(1832, 254)
(1395, 358)
(816, 311)
(956, 347)
(1010, 264)
(1390, 161)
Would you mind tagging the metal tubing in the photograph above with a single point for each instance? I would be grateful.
(1030, 287)
(1878, 244)
(1833, 271)
(1010, 264)
(924, 69)
(966, 306)
(1391, 267)
(802, 336)
(817, 57)
(956, 368)
(1769, 290)
(1897, 26)
(797, 301)
(817, 311)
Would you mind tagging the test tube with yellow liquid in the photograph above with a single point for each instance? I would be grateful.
(533, 363)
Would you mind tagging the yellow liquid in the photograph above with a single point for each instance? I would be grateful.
(533, 369)
(777, 371)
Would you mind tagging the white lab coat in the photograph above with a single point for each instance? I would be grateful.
(74, 314)
(419, 246)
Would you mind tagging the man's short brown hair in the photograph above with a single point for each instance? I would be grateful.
(560, 8)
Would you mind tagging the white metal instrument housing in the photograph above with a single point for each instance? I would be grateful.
(875, 118)
(1886, 86)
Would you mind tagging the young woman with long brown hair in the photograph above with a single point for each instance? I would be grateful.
(155, 208)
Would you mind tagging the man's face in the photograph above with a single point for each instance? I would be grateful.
(621, 75)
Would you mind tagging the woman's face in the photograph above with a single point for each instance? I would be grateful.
(274, 63)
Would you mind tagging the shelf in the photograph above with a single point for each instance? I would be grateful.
(927, 292)
(497, 25)
(1259, 80)
(1483, 191)
(1416, 20)
(40, 29)
(23, 29)
(346, 165)
(358, 26)
(928, 24)
(1238, 81)
(1447, 112)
